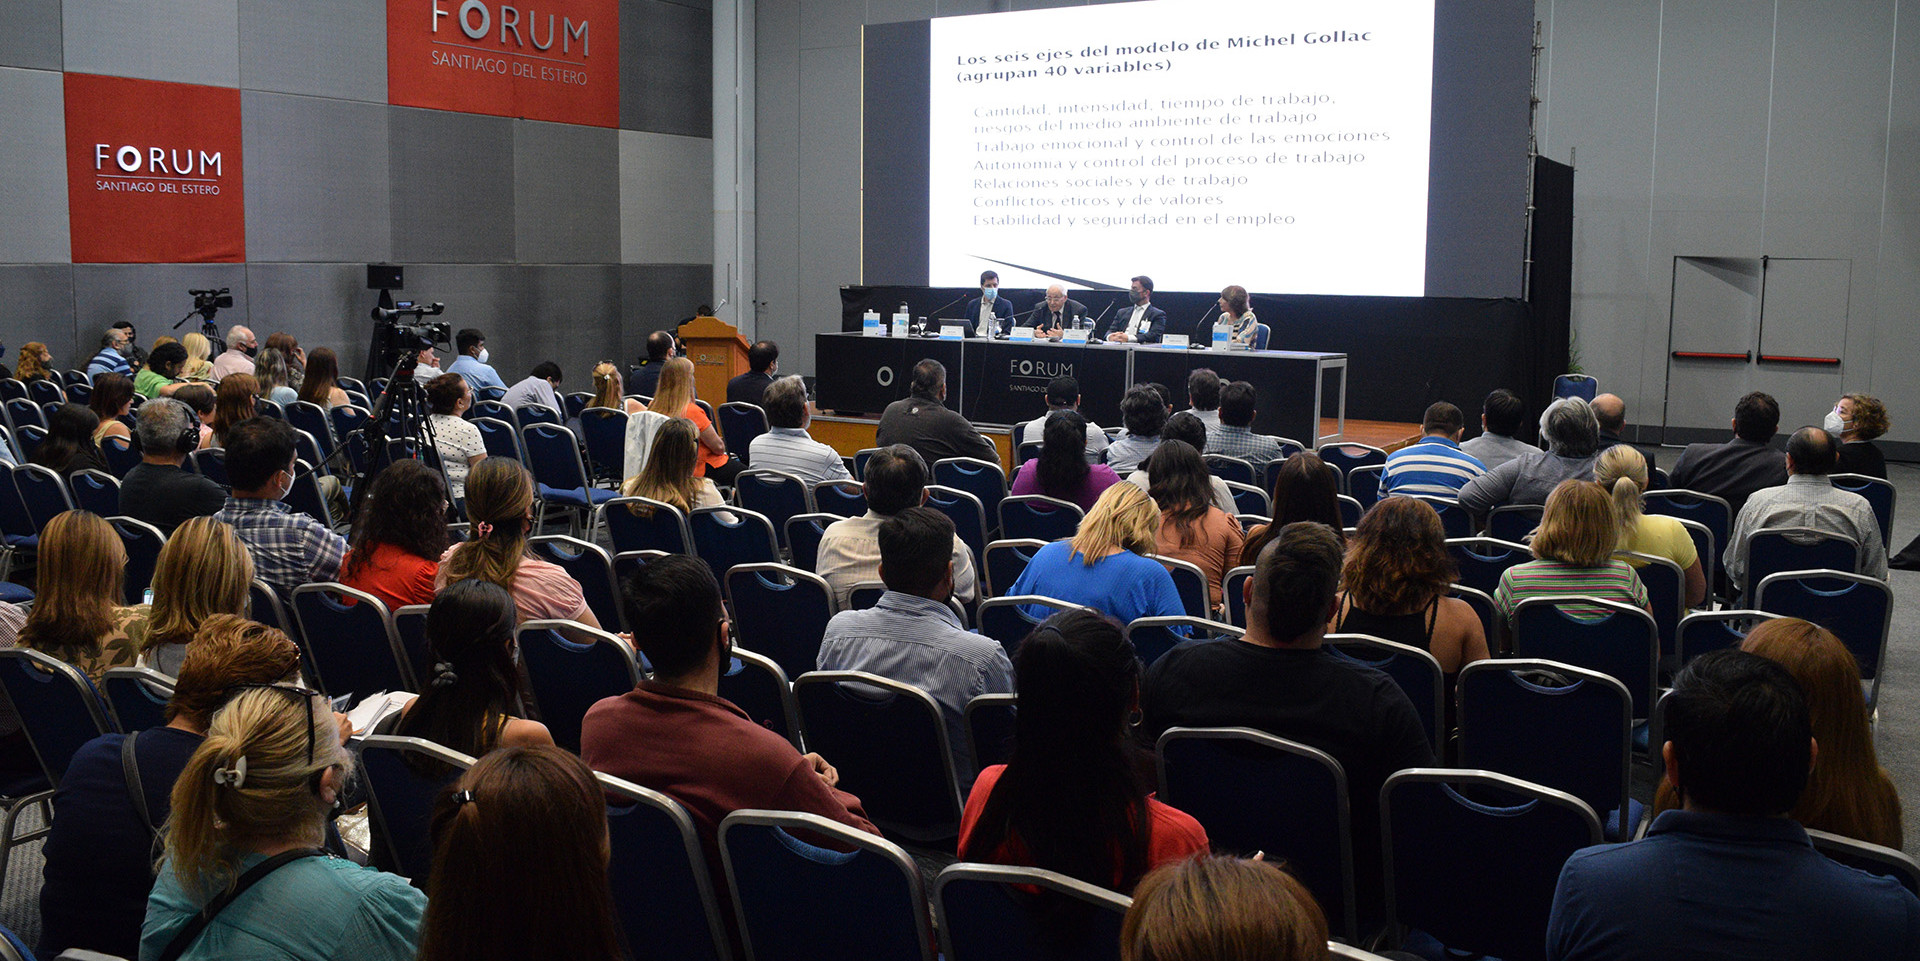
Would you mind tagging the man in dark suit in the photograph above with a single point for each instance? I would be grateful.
(1057, 313)
(1611, 412)
(1737, 468)
(763, 360)
(989, 299)
(1143, 323)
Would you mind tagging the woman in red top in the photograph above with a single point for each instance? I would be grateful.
(1072, 800)
(399, 535)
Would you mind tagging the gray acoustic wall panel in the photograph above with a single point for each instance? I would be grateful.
(666, 199)
(33, 168)
(658, 297)
(452, 183)
(829, 208)
(566, 193)
(40, 307)
(530, 313)
(666, 68)
(1715, 58)
(183, 41)
(316, 49)
(32, 35)
(322, 305)
(152, 296)
(317, 172)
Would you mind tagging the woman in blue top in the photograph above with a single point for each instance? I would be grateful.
(1103, 566)
(259, 790)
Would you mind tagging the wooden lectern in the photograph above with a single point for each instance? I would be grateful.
(719, 354)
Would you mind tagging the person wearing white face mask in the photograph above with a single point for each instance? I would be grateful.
(1856, 421)
(472, 362)
(288, 548)
(989, 307)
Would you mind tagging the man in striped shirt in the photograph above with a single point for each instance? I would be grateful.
(786, 446)
(1436, 466)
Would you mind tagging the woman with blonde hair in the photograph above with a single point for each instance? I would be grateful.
(274, 377)
(1622, 471)
(199, 364)
(203, 571)
(669, 475)
(1394, 586)
(1105, 566)
(500, 507)
(36, 363)
(675, 398)
(233, 402)
(1573, 551)
(77, 612)
(1222, 909)
(607, 389)
(252, 806)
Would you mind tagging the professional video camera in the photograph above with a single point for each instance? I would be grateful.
(206, 303)
(400, 343)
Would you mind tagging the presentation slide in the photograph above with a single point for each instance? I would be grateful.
(1282, 145)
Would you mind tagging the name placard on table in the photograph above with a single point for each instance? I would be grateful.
(1074, 336)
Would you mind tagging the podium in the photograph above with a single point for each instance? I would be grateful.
(719, 354)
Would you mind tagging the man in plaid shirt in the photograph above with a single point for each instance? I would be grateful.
(1234, 436)
(289, 548)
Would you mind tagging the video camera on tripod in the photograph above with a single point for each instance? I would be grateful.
(206, 303)
(399, 344)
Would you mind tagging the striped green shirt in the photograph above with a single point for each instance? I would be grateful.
(1613, 581)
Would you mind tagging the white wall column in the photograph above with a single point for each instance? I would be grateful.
(734, 297)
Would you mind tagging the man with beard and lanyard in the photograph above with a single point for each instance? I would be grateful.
(1143, 323)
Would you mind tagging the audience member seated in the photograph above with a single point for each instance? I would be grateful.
(199, 366)
(1502, 415)
(1573, 441)
(321, 385)
(1304, 489)
(1277, 679)
(1435, 466)
(1737, 468)
(913, 636)
(1730, 875)
(1573, 554)
(275, 376)
(609, 390)
(660, 346)
(1848, 792)
(1857, 420)
(1072, 799)
(500, 507)
(200, 399)
(426, 366)
(100, 854)
(112, 399)
(472, 703)
(1143, 414)
(1104, 566)
(675, 398)
(77, 616)
(1396, 575)
(289, 548)
(896, 479)
(676, 735)
(537, 388)
(202, 572)
(162, 373)
(136, 357)
(471, 345)
(69, 444)
(1061, 471)
(1192, 529)
(296, 358)
(1203, 396)
(1063, 393)
(234, 401)
(1622, 470)
(923, 422)
(399, 535)
(536, 815)
(1809, 499)
(1610, 412)
(786, 446)
(112, 358)
(455, 439)
(157, 490)
(1235, 437)
(1223, 909)
(36, 363)
(258, 790)
(669, 475)
(1186, 427)
(763, 361)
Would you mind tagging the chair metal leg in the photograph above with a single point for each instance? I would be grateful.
(8, 841)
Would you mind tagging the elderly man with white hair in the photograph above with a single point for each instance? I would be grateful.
(1572, 434)
(238, 357)
(1057, 313)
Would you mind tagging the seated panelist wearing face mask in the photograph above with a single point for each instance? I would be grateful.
(472, 362)
(989, 307)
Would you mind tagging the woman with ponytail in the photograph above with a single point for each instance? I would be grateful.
(471, 701)
(500, 505)
(535, 815)
(1622, 472)
(1071, 799)
(243, 847)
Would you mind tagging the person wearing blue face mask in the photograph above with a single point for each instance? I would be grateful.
(989, 302)
(472, 363)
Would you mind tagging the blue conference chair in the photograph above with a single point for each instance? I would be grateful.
(1005, 560)
(120, 455)
(501, 438)
(726, 537)
(137, 695)
(604, 431)
(889, 742)
(494, 409)
(989, 719)
(757, 686)
(969, 516)
(1413, 670)
(1880, 495)
(840, 498)
(803, 538)
(1703, 631)
(96, 491)
(1363, 484)
(640, 524)
(1233, 592)
(589, 565)
(1248, 499)
(528, 415)
(1858, 610)
(1514, 523)
(143, 542)
(1347, 457)
(1553, 724)
(410, 624)
(1666, 586)
(44, 493)
(795, 901)
(1575, 385)
(739, 424)
(1712, 513)
(1620, 641)
(983, 479)
(45, 392)
(1773, 550)
(350, 637)
(59, 712)
(662, 891)
(1038, 517)
(405, 776)
(1233, 470)
(780, 612)
(211, 463)
(553, 455)
(308, 416)
(13, 388)
(1007, 619)
(1482, 560)
(1153, 636)
(1454, 519)
(571, 667)
(985, 912)
(1190, 582)
(776, 495)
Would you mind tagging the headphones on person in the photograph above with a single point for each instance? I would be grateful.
(189, 438)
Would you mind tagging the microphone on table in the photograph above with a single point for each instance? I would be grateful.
(1200, 326)
(935, 313)
(1103, 315)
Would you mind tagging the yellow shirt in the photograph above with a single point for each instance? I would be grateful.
(1661, 536)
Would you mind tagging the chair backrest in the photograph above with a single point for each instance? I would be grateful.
(263, 407)
(1491, 623)
(13, 388)
(410, 625)
(1713, 512)
(404, 777)
(592, 567)
(1454, 519)
(779, 611)
(137, 695)
(969, 516)
(308, 416)
(1472, 857)
(43, 491)
(1553, 724)
(353, 645)
(1153, 636)
(1253, 791)
(1003, 619)
(46, 392)
(1004, 560)
(1622, 643)
(1248, 499)
(1233, 591)
(1350, 510)
(1039, 517)
(1880, 495)
(803, 533)
(1703, 631)
(1771, 550)
(1666, 586)
(22, 412)
(501, 438)
(492, 408)
(626, 563)
(605, 432)
(659, 527)
(1026, 451)
(1347, 457)
(860, 458)
(1871, 858)
(1514, 522)
(119, 454)
(988, 912)
(1261, 334)
(305, 497)
(573, 404)
(726, 537)
(527, 415)
(28, 437)
(211, 463)
(798, 902)
(889, 742)
(96, 491)
(1233, 470)
(345, 419)
(56, 705)
(983, 479)
(1706, 549)
(143, 542)
(739, 424)
(265, 605)
(1575, 385)
(865, 594)
(989, 719)
(1337, 950)
(1363, 483)
(840, 498)
(754, 683)
(1857, 609)
(570, 667)
(1188, 579)
(553, 455)
(775, 494)
(662, 891)
(1481, 560)
(1416, 672)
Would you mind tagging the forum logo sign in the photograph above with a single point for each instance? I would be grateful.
(555, 60)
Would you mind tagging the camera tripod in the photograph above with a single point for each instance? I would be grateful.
(402, 412)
